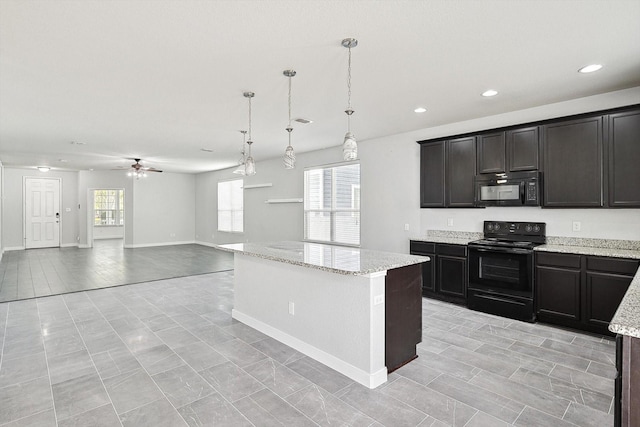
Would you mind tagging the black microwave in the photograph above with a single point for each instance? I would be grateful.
(508, 189)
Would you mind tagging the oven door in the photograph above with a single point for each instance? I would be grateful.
(506, 271)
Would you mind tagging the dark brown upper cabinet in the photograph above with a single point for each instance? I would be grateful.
(511, 151)
(492, 157)
(447, 169)
(573, 167)
(624, 159)
(432, 174)
(461, 168)
(523, 149)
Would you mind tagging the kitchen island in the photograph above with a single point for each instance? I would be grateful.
(354, 310)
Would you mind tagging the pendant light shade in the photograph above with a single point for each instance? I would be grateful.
(249, 163)
(289, 155)
(349, 146)
(240, 169)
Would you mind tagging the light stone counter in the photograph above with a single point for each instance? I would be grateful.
(331, 258)
(590, 250)
(450, 237)
(626, 321)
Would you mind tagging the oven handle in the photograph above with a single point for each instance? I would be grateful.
(503, 250)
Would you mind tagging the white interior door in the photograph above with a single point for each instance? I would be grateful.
(42, 212)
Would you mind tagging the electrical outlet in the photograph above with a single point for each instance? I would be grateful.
(406, 227)
(577, 226)
(378, 299)
(449, 222)
(291, 308)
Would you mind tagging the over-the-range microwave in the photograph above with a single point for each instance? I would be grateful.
(508, 189)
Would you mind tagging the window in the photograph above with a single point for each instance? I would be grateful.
(332, 204)
(230, 206)
(108, 206)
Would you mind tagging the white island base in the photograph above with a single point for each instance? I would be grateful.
(336, 319)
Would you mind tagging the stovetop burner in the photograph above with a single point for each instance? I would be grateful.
(513, 234)
(505, 243)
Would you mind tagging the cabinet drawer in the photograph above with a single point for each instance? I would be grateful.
(416, 247)
(553, 259)
(612, 265)
(452, 250)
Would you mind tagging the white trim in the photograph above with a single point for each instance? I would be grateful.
(84, 246)
(368, 380)
(149, 245)
(14, 248)
(209, 244)
(248, 187)
(68, 245)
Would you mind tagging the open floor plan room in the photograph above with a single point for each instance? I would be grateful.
(168, 353)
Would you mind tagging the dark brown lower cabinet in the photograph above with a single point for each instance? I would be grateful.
(581, 291)
(627, 385)
(403, 315)
(445, 277)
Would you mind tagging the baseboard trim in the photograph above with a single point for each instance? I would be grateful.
(69, 245)
(209, 244)
(14, 248)
(370, 380)
(149, 245)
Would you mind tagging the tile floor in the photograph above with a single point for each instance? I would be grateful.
(167, 353)
(53, 271)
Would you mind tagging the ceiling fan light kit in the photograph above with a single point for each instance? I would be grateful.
(138, 171)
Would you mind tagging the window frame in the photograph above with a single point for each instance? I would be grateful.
(230, 210)
(118, 210)
(333, 210)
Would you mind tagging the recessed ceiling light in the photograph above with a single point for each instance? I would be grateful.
(490, 92)
(420, 110)
(44, 168)
(590, 68)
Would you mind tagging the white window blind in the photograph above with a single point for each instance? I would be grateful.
(332, 204)
(230, 206)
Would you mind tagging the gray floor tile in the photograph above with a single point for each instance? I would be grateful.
(504, 368)
(325, 409)
(212, 334)
(382, 407)
(199, 356)
(41, 419)
(159, 413)
(583, 380)
(25, 399)
(69, 366)
(176, 337)
(159, 322)
(277, 377)
(182, 385)
(608, 357)
(512, 334)
(264, 408)
(239, 352)
(115, 361)
(493, 404)
(440, 363)
(245, 333)
(131, 390)
(531, 417)
(316, 372)
(531, 363)
(78, 395)
(277, 350)
(103, 416)
(551, 356)
(451, 338)
(213, 411)
(22, 369)
(231, 382)
(159, 359)
(418, 373)
(585, 416)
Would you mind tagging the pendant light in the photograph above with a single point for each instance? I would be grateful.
(249, 163)
(240, 169)
(289, 155)
(350, 146)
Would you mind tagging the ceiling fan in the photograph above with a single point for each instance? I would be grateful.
(138, 170)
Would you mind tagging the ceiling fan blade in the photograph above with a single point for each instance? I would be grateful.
(152, 170)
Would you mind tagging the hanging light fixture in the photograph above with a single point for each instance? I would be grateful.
(249, 163)
(350, 146)
(289, 155)
(241, 164)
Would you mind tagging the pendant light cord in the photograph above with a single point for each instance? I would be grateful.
(249, 142)
(289, 129)
(349, 110)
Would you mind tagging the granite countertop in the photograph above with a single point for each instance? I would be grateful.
(590, 250)
(626, 321)
(331, 258)
(451, 237)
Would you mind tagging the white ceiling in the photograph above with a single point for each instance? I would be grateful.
(162, 79)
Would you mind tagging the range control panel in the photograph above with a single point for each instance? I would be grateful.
(514, 230)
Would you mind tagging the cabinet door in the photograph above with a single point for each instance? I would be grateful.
(432, 167)
(604, 293)
(624, 159)
(523, 149)
(491, 153)
(452, 276)
(558, 293)
(429, 275)
(572, 154)
(461, 168)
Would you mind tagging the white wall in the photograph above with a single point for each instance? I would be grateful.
(262, 222)
(163, 209)
(13, 212)
(108, 232)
